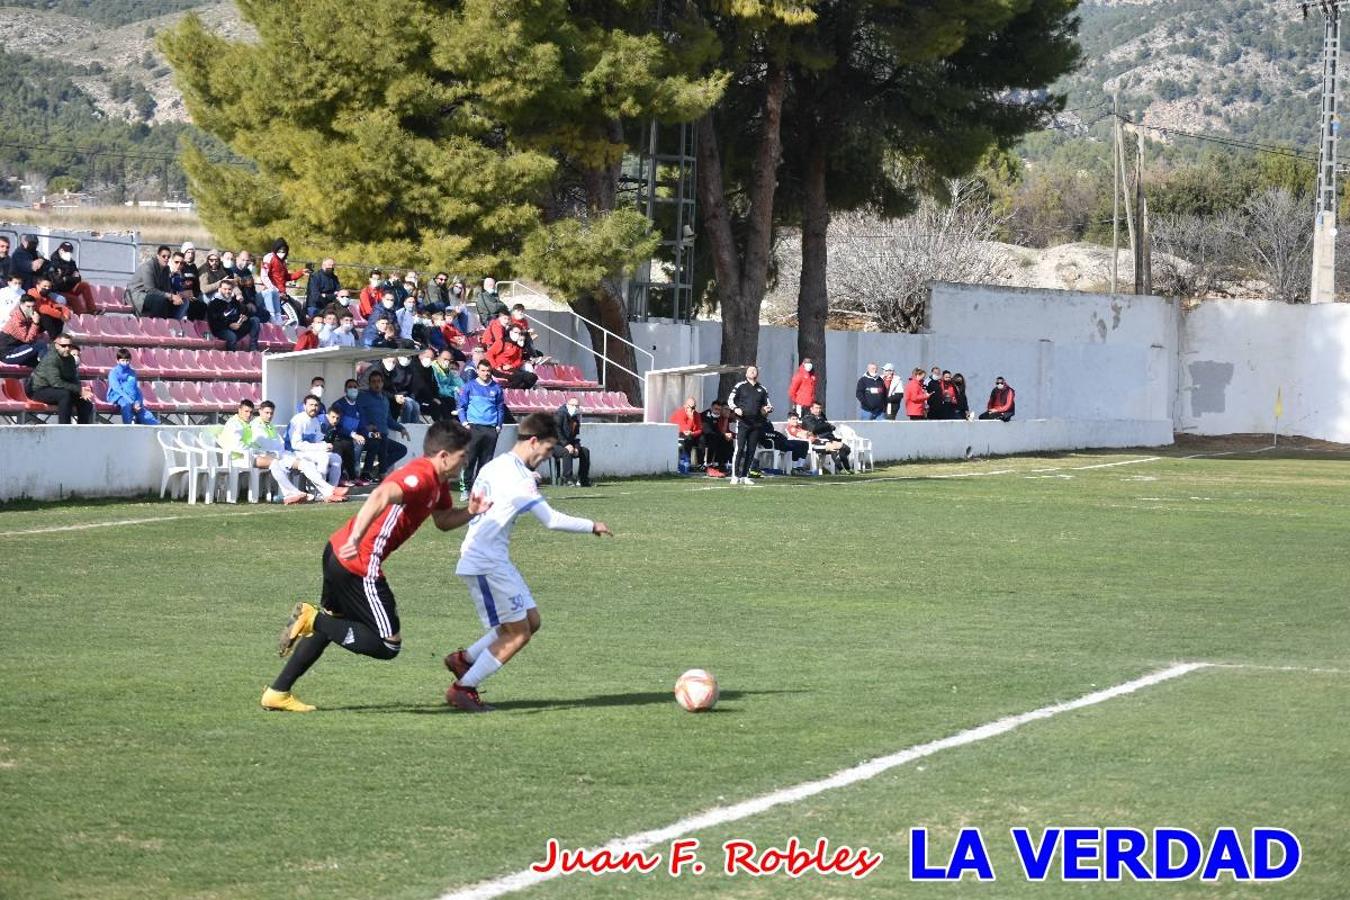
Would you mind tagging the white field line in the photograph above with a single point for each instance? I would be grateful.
(1315, 670)
(146, 521)
(722, 815)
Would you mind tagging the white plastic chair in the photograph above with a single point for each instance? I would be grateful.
(199, 468)
(176, 465)
(227, 467)
(860, 448)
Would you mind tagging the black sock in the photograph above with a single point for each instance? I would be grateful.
(354, 636)
(305, 654)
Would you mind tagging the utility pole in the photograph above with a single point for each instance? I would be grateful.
(1143, 256)
(1324, 223)
(1115, 192)
(1128, 202)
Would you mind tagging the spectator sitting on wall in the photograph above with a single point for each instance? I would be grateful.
(22, 342)
(227, 320)
(9, 296)
(508, 361)
(895, 391)
(567, 426)
(962, 404)
(1002, 402)
(343, 335)
(380, 447)
(210, 277)
(398, 385)
(322, 289)
(151, 289)
(66, 277)
(916, 398)
(718, 440)
(304, 438)
(871, 394)
(124, 392)
(824, 438)
(448, 382)
(802, 388)
(689, 424)
(488, 303)
(51, 307)
(56, 380)
(352, 426)
(28, 261)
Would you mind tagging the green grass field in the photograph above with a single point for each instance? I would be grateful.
(844, 619)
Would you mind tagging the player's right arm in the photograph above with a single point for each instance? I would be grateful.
(386, 495)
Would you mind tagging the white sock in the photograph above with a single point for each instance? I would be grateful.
(483, 668)
(480, 645)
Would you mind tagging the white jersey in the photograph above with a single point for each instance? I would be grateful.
(511, 487)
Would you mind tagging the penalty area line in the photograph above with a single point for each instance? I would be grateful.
(722, 815)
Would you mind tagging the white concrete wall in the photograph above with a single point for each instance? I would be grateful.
(899, 441)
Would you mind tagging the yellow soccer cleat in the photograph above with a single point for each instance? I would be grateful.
(300, 625)
(283, 701)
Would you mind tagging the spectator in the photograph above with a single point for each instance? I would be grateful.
(51, 308)
(690, 426)
(424, 390)
(151, 289)
(9, 296)
(304, 438)
(7, 262)
(774, 439)
(482, 405)
(916, 398)
(823, 437)
(316, 386)
(22, 342)
(438, 292)
(352, 426)
(124, 392)
(327, 325)
(372, 293)
(380, 447)
(750, 402)
(802, 388)
(228, 321)
(408, 318)
(947, 390)
(936, 409)
(441, 335)
(962, 404)
(470, 370)
(342, 336)
(341, 442)
(895, 391)
(380, 333)
(448, 382)
(519, 320)
(273, 280)
(191, 275)
(215, 272)
(56, 380)
(1002, 402)
(508, 361)
(398, 387)
(66, 278)
(457, 312)
(718, 440)
(236, 435)
(871, 394)
(281, 462)
(567, 425)
(28, 261)
(309, 337)
(245, 279)
(489, 304)
(177, 281)
(322, 289)
(799, 440)
(495, 331)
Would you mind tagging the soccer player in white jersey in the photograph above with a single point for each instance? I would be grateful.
(503, 600)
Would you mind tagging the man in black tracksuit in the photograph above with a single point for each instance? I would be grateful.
(749, 402)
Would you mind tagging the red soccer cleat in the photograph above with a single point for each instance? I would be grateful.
(458, 663)
(465, 698)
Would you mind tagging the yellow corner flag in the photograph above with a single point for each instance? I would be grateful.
(1279, 403)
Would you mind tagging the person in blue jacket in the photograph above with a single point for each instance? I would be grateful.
(374, 406)
(482, 407)
(124, 392)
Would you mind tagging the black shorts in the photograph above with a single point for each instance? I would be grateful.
(366, 600)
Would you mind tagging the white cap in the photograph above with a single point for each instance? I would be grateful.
(187, 245)
(888, 368)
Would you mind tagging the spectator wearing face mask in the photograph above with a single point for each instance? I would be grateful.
(448, 382)
(422, 387)
(9, 296)
(508, 361)
(802, 388)
(28, 261)
(322, 289)
(188, 282)
(398, 385)
(21, 340)
(66, 278)
(246, 280)
(309, 337)
(871, 394)
(488, 303)
(569, 449)
(895, 391)
(351, 426)
(343, 335)
(519, 320)
(1002, 402)
(316, 388)
(124, 392)
(272, 281)
(407, 318)
(51, 307)
(371, 293)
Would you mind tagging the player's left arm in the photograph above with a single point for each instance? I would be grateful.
(450, 519)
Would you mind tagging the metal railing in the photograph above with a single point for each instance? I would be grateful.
(513, 291)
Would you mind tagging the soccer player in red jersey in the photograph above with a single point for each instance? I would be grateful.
(357, 608)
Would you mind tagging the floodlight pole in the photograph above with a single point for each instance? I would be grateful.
(1324, 224)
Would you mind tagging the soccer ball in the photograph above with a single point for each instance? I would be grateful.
(696, 690)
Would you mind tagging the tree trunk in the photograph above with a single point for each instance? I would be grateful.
(813, 300)
(741, 281)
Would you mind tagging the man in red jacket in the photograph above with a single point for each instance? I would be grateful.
(802, 388)
(1002, 405)
(690, 423)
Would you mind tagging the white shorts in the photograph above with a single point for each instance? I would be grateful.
(499, 596)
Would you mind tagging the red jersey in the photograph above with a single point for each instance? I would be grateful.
(423, 494)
